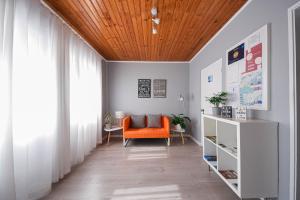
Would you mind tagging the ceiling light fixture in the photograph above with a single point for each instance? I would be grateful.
(154, 12)
(154, 31)
(155, 20)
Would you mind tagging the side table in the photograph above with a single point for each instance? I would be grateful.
(112, 129)
(181, 132)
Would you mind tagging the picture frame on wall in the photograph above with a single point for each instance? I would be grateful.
(160, 88)
(144, 88)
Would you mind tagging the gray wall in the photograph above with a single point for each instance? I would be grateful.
(123, 87)
(297, 34)
(255, 15)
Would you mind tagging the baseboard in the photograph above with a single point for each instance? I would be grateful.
(195, 140)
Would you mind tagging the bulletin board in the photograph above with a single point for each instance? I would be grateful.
(247, 71)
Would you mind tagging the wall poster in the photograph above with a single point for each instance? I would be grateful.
(159, 88)
(247, 69)
(144, 88)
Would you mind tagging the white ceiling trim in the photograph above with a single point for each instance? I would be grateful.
(137, 61)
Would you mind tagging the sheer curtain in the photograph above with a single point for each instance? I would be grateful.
(7, 190)
(50, 81)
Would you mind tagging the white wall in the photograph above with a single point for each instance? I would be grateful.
(254, 16)
(123, 87)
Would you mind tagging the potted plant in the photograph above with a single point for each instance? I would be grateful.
(108, 120)
(216, 100)
(179, 121)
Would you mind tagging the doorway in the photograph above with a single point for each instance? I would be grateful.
(294, 78)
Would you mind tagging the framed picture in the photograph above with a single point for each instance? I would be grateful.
(144, 88)
(159, 88)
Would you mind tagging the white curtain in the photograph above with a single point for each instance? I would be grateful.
(7, 190)
(50, 82)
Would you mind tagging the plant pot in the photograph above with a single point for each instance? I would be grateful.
(178, 127)
(216, 111)
(108, 126)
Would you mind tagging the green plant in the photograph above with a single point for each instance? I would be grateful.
(217, 99)
(180, 119)
(108, 119)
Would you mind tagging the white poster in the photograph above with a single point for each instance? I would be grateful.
(247, 71)
(211, 83)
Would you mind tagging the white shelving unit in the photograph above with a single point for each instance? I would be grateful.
(248, 148)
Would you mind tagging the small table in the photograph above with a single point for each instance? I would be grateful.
(181, 132)
(112, 129)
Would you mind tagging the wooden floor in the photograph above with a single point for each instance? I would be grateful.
(144, 170)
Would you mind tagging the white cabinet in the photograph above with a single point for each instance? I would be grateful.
(244, 153)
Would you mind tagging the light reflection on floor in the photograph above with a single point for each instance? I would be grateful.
(164, 192)
(146, 153)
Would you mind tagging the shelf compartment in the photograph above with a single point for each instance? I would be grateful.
(229, 151)
(210, 128)
(227, 137)
(212, 139)
(227, 162)
(209, 148)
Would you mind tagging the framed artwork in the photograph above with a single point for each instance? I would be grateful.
(144, 88)
(159, 88)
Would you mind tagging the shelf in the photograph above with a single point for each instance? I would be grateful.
(229, 182)
(228, 151)
(227, 138)
(212, 164)
(211, 141)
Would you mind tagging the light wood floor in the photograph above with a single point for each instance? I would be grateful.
(144, 170)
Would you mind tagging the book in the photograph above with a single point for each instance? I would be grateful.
(228, 174)
(212, 138)
(210, 158)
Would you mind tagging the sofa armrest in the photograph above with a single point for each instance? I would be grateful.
(166, 123)
(126, 123)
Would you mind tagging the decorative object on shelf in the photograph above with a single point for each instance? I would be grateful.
(179, 121)
(241, 113)
(216, 100)
(226, 111)
(119, 116)
(212, 138)
(229, 174)
(108, 120)
(144, 88)
(210, 158)
(159, 88)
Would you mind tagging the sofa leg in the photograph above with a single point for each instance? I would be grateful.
(125, 142)
(168, 142)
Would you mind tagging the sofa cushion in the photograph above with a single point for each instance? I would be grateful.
(154, 121)
(137, 121)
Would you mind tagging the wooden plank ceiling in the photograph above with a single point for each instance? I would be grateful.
(122, 29)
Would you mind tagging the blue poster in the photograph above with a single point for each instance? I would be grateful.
(236, 54)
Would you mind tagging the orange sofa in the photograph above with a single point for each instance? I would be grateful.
(130, 133)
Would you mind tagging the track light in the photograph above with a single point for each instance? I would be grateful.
(154, 31)
(156, 20)
(154, 11)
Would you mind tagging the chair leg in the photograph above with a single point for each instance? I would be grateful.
(168, 142)
(124, 142)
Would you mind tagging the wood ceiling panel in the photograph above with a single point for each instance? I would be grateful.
(122, 29)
